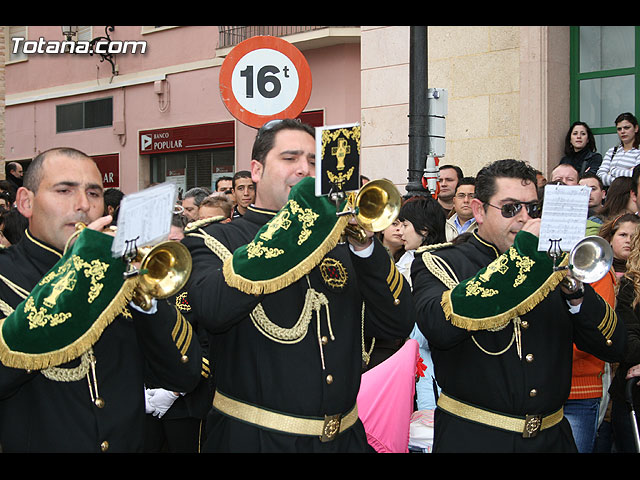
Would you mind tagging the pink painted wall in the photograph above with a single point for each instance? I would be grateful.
(193, 95)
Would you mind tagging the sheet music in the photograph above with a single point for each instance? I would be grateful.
(564, 215)
(145, 217)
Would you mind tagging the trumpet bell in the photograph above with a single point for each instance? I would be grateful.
(590, 259)
(378, 203)
(167, 268)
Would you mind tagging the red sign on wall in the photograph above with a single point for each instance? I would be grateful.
(189, 137)
(109, 166)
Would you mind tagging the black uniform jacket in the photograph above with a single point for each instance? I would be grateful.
(290, 378)
(537, 383)
(42, 415)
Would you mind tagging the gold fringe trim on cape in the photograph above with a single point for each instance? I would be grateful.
(259, 287)
(39, 361)
(501, 319)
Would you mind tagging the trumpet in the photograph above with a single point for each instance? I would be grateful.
(164, 268)
(375, 207)
(589, 261)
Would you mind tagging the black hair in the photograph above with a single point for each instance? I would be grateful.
(33, 175)
(222, 179)
(454, 167)
(14, 224)
(240, 174)
(466, 181)
(630, 117)
(591, 142)
(267, 133)
(507, 168)
(426, 215)
(593, 175)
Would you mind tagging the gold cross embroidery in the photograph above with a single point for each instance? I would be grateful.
(341, 152)
(279, 221)
(66, 282)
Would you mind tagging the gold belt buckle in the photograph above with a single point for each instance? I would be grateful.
(331, 427)
(532, 424)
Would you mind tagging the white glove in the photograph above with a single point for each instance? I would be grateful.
(160, 400)
(147, 406)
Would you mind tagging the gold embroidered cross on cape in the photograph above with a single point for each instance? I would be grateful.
(290, 245)
(511, 285)
(67, 311)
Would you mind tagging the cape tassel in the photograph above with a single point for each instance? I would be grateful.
(72, 351)
(261, 287)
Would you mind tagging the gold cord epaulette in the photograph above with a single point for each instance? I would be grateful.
(212, 243)
(432, 247)
(196, 224)
(440, 269)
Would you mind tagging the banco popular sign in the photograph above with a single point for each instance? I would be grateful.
(185, 138)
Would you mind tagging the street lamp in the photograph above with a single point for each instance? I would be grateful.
(71, 34)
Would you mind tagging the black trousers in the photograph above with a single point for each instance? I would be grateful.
(180, 435)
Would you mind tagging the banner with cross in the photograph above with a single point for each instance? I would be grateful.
(337, 159)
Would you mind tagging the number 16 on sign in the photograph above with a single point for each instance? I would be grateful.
(265, 78)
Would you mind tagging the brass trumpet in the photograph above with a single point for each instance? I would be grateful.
(589, 261)
(164, 270)
(375, 207)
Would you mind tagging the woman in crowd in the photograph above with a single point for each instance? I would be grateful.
(618, 232)
(423, 223)
(580, 149)
(628, 311)
(620, 160)
(618, 199)
(391, 238)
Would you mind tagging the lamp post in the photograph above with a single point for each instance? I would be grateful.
(71, 34)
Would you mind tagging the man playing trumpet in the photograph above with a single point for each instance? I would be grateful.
(286, 338)
(501, 327)
(94, 401)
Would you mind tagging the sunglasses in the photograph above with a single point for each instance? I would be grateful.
(269, 125)
(510, 210)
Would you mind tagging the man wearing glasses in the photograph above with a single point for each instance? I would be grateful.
(462, 219)
(501, 328)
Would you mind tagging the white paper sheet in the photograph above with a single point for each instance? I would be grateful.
(145, 217)
(564, 215)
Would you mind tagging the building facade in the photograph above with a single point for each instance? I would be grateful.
(513, 92)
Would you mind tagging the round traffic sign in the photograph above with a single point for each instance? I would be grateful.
(264, 78)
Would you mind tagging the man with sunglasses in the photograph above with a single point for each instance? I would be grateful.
(501, 327)
(288, 362)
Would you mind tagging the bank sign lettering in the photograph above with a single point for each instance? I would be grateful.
(159, 142)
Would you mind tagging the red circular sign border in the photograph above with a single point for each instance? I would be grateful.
(274, 43)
